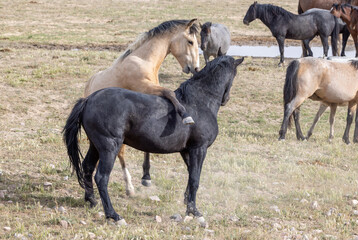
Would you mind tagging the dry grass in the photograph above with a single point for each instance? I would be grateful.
(246, 172)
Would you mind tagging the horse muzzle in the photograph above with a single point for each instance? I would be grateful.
(246, 22)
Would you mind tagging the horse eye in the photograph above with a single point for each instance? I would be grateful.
(190, 42)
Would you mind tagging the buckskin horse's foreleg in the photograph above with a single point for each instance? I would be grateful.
(126, 175)
(322, 108)
(89, 165)
(296, 117)
(178, 107)
(333, 108)
(196, 159)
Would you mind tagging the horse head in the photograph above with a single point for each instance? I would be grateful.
(204, 35)
(226, 96)
(184, 47)
(250, 14)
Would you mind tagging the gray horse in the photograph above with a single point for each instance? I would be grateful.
(214, 36)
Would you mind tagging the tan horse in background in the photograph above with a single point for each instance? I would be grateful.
(330, 82)
(137, 69)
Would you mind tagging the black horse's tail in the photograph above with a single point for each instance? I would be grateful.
(70, 136)
(299, 9)
(334, 37)
(290, 87)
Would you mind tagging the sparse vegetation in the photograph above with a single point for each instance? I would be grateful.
(252, 186)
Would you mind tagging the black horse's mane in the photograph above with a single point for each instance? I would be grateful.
(354, 63)
(276, 11)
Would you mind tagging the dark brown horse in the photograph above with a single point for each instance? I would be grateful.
(348, 14)
(304, 5)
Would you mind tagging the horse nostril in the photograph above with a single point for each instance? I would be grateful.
(196, 69)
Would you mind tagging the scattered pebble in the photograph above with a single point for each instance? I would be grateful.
(158, 219)
(354, 202)
(202, 222)
(176, 217)
(61, 209)
(186, 228)
(303, 201)
(330, 211)
(234, 219)
(20, 236)
(65, 178)
(1, 173)
(155, 198)
(275, 208)
(2, 194)
(317, 231)
(315, 205)
(187, 219)
(91, 235)
(47, 184)
(100, 214)
(209, 231)
(305, 237)
(52, 166)
(7, 229)
(276, 226)
(64, 223)
(355, 237)
(355, 212)
(83, 222)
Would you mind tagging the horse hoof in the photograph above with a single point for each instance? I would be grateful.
(130, 192)
(188, 121)
(121, 222)
(146, 182)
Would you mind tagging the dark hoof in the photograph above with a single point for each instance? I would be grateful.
(91, 200)
(346, 141)
(188, 121)
(113, 216)
(146, 182)
(191, 209)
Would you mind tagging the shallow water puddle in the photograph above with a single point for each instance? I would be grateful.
(273, 51)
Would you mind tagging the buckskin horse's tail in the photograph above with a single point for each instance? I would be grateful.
(334, 38)
(290, 87)
(70, 136)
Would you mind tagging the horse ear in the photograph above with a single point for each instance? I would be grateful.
(191, 23)
(255, 3)
(239, 61)
(219, 52)
(201, 26)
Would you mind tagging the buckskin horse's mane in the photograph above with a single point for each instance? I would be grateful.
(162, 28)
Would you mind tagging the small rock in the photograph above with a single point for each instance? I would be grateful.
(276, 226)
(176, 217)
(354, 202)
(187, 219)
(7, 229)
(234, 219)
(19, 235)
(47, 184)
(305, 237)
(52, 166)
(1, 173)
(61, 209)
(91, 235)
(186, 228)
(209, 231)
(2, 194)
(330, 211)
(303, 201)
(315, 205)
(355, 237)
(121, 222)
(158, 219)
(355, 212)
(9, 201)
(83, 222)
(100, 214)
(202, 222)
(155, 198)
(275, 208)
(317, 231)
(65, 178)
(64, 223)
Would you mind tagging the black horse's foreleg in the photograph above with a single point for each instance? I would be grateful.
(281, 45)
(296, 117)
(104, 169)
(185, 156)
(180, 109)
(146, 180)
(324, 40)
(89, 165)
(349, 122)
(196, 159)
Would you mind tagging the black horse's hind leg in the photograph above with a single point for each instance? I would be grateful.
(296, 117)
(349, 122)
(196, 159)
(178, 107)
(89, 165)
(306, 44)
(281, 45)
(324, 40)
(146, 180)
(105, 166)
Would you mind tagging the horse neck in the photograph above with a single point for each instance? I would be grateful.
(265, 17)
(346, 17)
(153, 52)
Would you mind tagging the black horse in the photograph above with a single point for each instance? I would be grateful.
(284, 24)
(149, 123)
